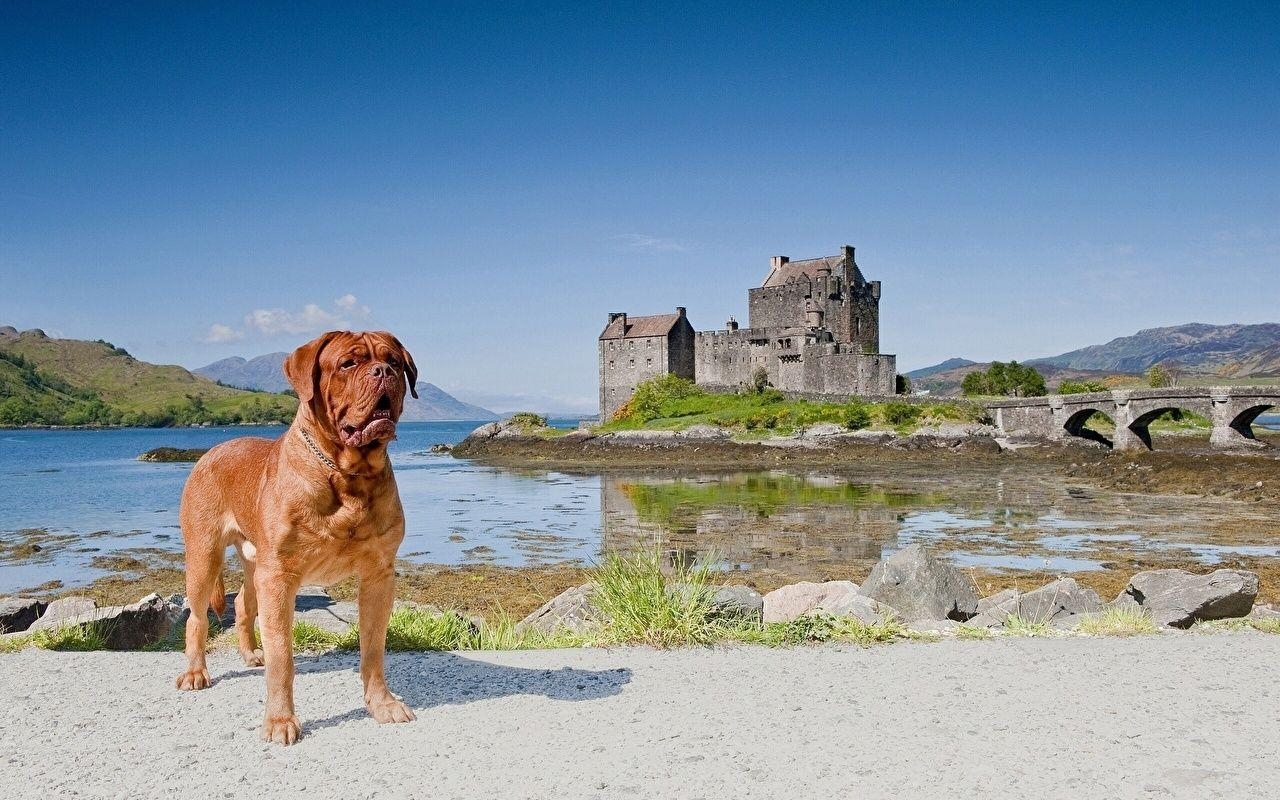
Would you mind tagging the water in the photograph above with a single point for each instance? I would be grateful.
(92, 498)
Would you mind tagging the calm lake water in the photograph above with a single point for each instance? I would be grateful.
(91, 497)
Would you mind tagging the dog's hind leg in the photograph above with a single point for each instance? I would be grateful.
(203, 536)
(247, 609)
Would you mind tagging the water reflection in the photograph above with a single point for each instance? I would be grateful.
(821, 526)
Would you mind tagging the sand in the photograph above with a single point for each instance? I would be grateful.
(1178, 715)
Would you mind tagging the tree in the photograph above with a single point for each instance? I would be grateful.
(759, 380)
(902, 384)
(1158, 377)
(1013, 379)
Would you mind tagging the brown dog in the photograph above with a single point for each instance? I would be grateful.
(317, 505)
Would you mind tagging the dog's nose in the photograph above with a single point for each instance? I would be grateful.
(381, 371)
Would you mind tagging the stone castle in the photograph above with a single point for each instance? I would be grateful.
(813, 325)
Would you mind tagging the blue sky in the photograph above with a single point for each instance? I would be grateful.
(488, 181)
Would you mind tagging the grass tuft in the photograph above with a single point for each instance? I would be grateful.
(643, 607)
(974, 632)
(71, 638)
(1118, 621)
(1268, 625)
(1018, 625)
(816, 628)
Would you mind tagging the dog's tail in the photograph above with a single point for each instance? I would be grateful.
(219, 599)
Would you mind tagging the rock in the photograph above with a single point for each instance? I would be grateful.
(641, 437)
(173, 454)
(1178, 598)
(440, 448)
(703, 431)
(858, 606)
(996, 599)
(123, 627)
(1267, 611)
(737, 604)
(1055, 604)
(821, 429)
(795, 600)
(63, 608)
(570, 610)
(920, 586)
(486, 431)
(935, 625)
(17, 613)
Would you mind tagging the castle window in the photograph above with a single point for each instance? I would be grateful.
(610, 365)
(648, 361)
(633, 362)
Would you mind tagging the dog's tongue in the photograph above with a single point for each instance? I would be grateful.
(378, 429)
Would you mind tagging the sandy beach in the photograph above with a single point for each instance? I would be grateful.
(1176, 715)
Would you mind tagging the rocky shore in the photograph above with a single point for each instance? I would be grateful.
(911, 594)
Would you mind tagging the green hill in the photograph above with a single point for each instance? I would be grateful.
(46, 381)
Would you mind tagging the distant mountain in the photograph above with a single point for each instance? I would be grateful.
(265, 373)
(949, 364)
(1226, 350)
(47, 381)
(435, 404)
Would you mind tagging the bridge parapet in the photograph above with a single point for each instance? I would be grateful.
(1231, 409)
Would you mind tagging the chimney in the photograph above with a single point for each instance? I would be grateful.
(778, 261)
(847, 252)
(680, 311)
(616, 315)
(732, 324)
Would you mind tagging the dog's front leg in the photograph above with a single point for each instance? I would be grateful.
(277, 593)
(377, 594)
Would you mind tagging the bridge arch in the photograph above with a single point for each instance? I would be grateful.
(1242, 422)
(1139, 427)
(1077, 424)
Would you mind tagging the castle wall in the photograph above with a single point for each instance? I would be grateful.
(727, 359)
(623, 364)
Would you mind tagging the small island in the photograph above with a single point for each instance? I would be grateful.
(174, 455)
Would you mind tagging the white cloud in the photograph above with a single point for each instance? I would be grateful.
(640, 241)
(219, 333)
(344, 312)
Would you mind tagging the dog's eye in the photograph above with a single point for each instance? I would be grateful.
(348, 364)
(393, 362)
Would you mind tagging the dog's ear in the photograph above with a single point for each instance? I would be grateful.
(302, 367)
(406, 360)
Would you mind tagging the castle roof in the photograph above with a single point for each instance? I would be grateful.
(624, 327)
(804, 269)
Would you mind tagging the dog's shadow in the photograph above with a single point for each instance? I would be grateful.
(428, 679)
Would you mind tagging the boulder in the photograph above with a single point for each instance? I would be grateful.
(60, 609)
(17, 613)
(737, 604)
(570, 610)
(858, 606)
(1058, 604)
(123, 627)
(1178, 598)
(920, 586)
(1266, 611)
(795, 600)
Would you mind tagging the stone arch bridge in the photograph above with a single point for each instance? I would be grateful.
(1231, 409)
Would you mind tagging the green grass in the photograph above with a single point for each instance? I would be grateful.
(671, 403)
(817, 628)
(974, 632)
(1118, 621)
(644, 607)
(1269, 625)
(1018, 625)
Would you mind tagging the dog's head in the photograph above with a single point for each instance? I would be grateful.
(354, 384)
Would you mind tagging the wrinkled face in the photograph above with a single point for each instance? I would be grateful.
(356, 382)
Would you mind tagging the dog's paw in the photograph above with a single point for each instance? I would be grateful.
(193, 679)
(281, 730)
(252, 658)
(389, 708)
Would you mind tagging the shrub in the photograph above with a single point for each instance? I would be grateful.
(644, 608)
(1000, 378)
(857, 416)
(1082, 387)
(899, 413)
(528, 419)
